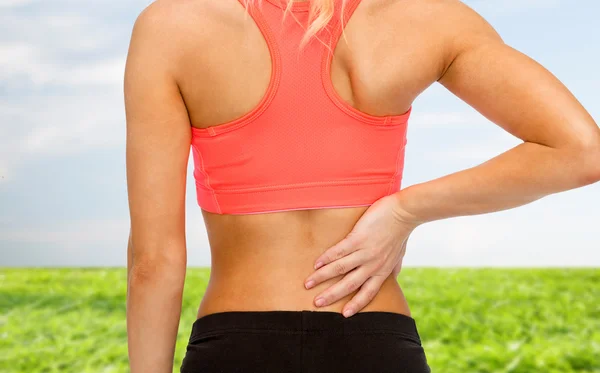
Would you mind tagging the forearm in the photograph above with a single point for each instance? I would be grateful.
(154, 295)
(519, 176)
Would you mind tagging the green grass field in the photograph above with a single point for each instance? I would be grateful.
(470, 320)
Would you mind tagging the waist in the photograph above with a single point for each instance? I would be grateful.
(280, 291)
(260, 262)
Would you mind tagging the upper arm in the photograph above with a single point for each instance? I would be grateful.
(511, 89)
(158, 142)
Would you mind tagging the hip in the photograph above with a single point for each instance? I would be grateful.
(304, 341)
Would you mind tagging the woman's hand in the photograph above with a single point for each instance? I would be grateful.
(369, 254)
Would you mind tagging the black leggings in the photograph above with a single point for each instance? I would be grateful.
(304, 342)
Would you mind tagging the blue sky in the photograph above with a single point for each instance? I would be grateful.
(63, 198)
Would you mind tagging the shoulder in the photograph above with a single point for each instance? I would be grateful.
(459, 26)
(451, 24)
(168, 17)
(186, 15)
(440, 14)
(458, 20)
(175, 22)
(167, 33)
(452, 20)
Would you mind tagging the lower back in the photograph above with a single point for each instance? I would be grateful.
(260, 261)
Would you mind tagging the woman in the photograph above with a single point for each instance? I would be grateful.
(298, 143)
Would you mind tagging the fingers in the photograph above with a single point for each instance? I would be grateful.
(364, 296)
(337, 251)
(336, 268)
(351, 282)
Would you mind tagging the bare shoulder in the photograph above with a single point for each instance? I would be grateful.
(178, 13)
(168, 18)
(434, 30)
(452, 17)
(171, 25)
(451, 24)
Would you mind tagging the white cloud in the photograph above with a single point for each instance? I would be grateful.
(559, 230)
(15, 3)
(28, 62)
(4, 175)
(72, 235)
(77, 242)
(524, 236)
(60, 125)
(106, 72)
(475, 151)
(64, 72)
(466, 136)
(16, 58)
(452, 119)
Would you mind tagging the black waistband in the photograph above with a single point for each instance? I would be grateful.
(305, 321)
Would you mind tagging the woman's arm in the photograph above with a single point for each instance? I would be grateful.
(158, 145)
(561, 141)
(560, 151)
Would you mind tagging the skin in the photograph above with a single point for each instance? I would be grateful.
(186, 62)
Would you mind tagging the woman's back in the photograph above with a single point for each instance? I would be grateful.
(394, 51)
(293, 156)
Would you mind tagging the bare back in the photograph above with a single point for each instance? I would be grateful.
(394, 51)
(195, 65)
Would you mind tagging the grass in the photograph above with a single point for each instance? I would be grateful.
(470, 320)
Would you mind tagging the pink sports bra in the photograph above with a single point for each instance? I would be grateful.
(303, 146)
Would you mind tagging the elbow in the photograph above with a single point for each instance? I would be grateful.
(589, 163)
(163, 270)
(593, 175)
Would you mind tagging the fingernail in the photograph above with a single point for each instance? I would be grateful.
(348, 312)
(309, 284)
(319, 302)
(318, 265)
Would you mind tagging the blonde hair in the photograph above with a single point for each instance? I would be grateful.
(320, 14)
